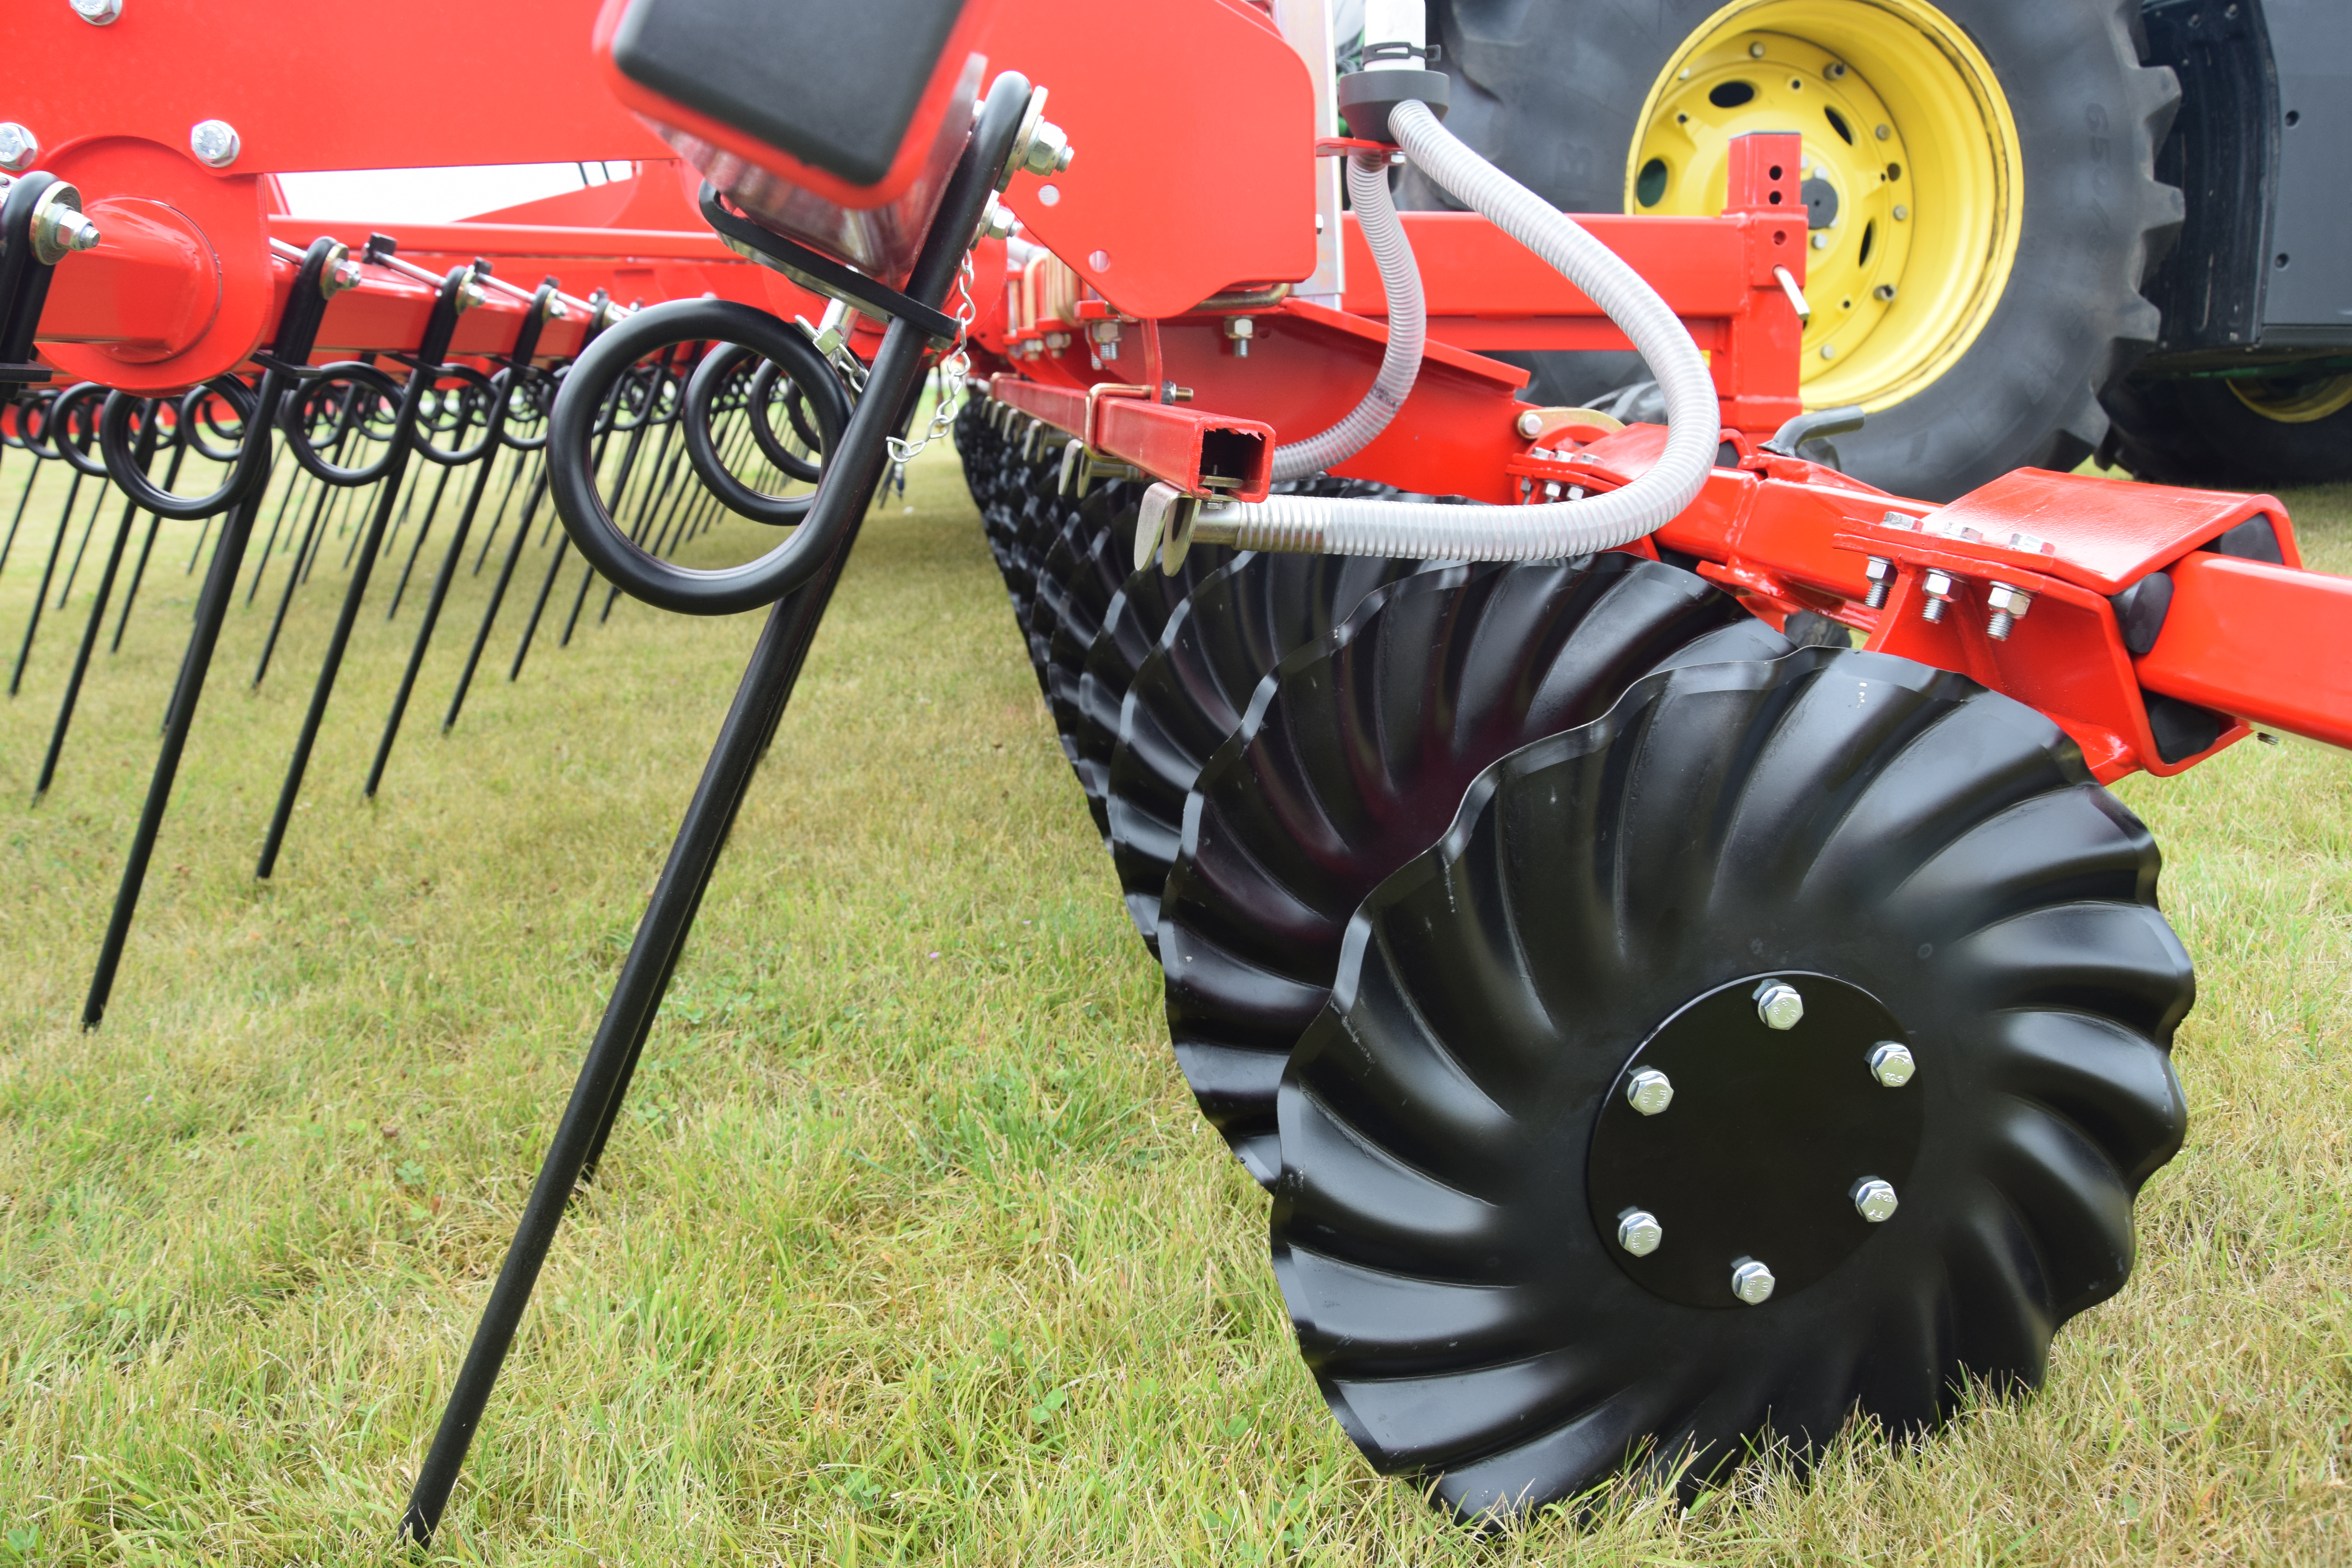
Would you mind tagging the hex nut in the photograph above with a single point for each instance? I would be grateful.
(1779, 1005)
(1874, 1200)
(215, 142)
(98, 13)
(1639, 1233)
(59, 228)
(1891, 1064)
(1649, 1091)
(1752, 1282)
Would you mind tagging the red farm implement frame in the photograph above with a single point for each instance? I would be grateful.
(1153, 298)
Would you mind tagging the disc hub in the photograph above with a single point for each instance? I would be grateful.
(1771, 1134)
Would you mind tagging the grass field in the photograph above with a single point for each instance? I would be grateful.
(912, 1246)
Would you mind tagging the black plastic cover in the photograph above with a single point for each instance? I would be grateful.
(835, 83)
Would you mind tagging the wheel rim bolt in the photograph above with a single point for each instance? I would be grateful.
(1649, 1091)
(1891, 1064)
(1752, 1282)
(1881, 572)
(1778, 1003)
(1938, 586)
(1874, 1200)
(1639, 1232)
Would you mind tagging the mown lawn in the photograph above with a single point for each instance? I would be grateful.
(912, 1246)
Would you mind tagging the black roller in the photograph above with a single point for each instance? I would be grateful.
(1191, 692)
(1131, 626)
(1925, 864)
(1356, 761)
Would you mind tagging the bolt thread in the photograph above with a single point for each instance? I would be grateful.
(1998, 628)
(1876, 598)
(1933, 610)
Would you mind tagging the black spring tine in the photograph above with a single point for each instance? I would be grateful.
(41, 595)
(621, 489)
(432, 510)
(499, 518)
(498, 596)
(97, 505)
(154, 528)
(450, 561)
(144, 456)
(431, 354)
(24, 499)
(269, 545)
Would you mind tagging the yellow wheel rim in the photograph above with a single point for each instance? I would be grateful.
(1911, 170)
(2295, 399)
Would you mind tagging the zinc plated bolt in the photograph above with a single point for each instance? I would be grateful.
(2009, 607)
(1874, 1200)
(1047, 151)
(998, 222)
(1752, 1282)
(1241, 329)
(215, 142)
(1938, 586)
(1881, 572)
(1639, 1232)
(98, 13)
(1649, 1091)
(19, 147)
(1529, 423)
(1778, 1003)
(1891, 1064)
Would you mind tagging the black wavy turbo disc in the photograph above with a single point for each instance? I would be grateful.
(1190, 692)
(1939, 851)
(1076, 579)
(1131, 626)
(1093, 580)
(1356, 761)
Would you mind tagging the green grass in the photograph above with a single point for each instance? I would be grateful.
(912, 1246)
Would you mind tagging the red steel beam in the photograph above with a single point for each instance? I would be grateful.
(1195, 450)
(2261, 642)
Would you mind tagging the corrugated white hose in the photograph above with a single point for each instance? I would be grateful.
(1426, 530)
(1368, 193)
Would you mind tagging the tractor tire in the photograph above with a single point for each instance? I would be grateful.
(2233, 433)
(1983, 172)
(1569, 1183)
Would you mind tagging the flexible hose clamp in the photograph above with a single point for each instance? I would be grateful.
(1367, 98)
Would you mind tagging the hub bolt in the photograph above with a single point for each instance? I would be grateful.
(2008, 606)
(1778, 1003)
(1891, 1064)
(1649, 1091)
(215, 142)
(19, 147)
(1938, 586)
(1639, 1233)
(1881, 572)
(1874, 1200)
(1752, 1282)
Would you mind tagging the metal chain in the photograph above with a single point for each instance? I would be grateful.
(955, 365)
